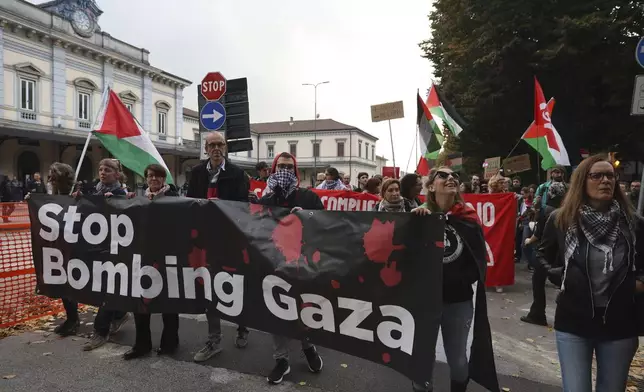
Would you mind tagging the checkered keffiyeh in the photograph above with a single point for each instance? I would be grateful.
(284, 180)
(601, 229)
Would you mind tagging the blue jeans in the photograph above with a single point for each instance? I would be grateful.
(613, 362)
(455, 325)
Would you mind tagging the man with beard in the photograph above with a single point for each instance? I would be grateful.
(362, 182)
(634, 194)
(476, 184)
(218, 178)
(557, 174)
(516, 185)
(282, 190)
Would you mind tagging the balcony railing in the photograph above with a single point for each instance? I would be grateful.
(28, 116)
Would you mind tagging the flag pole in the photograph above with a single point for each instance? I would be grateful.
(393, 156)
(89, 137)
(413, 147)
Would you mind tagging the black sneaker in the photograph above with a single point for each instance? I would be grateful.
(68, 328)
(280, 370)
(314, 359)
(241, 341)
(530, 320)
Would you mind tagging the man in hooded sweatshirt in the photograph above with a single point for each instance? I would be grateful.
(282, 190)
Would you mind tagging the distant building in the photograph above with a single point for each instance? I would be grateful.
(56, 63)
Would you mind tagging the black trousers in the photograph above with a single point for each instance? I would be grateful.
(169, 336)
(71, 309)
(104, 319)
(538, 308)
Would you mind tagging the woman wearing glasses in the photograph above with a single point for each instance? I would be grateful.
(589, 244)
(464, 263)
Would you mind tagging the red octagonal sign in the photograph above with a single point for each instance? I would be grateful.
(213, 86)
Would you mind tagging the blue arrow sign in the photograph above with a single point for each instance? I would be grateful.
(639, 53)
(213, 115)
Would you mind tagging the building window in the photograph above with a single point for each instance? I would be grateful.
(292, 149)
(359, 148)
(83, 106)
(316, 149)
(129, 107)
(373, 153)
(340, 149)
(162, 124)
(271, 151)
(366, 151)
(28, 94)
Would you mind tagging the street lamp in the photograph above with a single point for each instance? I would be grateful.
(315, 126)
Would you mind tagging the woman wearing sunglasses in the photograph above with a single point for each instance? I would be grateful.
(464, 263)
(591, 245)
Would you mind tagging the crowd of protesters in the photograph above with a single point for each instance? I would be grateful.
(580, 235)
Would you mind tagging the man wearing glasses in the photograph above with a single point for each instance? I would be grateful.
(218, 178)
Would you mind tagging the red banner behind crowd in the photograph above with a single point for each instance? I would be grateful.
(497, 213)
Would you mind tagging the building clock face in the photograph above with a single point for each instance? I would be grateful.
(82, 23)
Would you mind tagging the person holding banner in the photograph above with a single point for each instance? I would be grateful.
(283, 190)
(155, 176)
(106, 321)
(593, 245)
(464, 263)
(218, 178)
(391, 200)
(332, 181)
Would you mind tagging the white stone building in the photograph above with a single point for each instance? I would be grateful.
(56, 62)
(345, 147)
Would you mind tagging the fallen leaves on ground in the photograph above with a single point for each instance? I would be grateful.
(9, 376)
(636, 374)
(46, 354)
(344, 365)
(43, 323)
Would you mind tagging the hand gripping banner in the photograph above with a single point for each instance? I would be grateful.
(368, 284)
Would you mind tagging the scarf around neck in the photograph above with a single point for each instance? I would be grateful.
(601, 229)
(151, 195)
(104, 188)
(332, 185)
(386, 206)
(282, 181)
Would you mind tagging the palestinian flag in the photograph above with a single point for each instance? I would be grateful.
(455, 161)
(431, 137)
(542, 135)
(441, 108)
(124, 137)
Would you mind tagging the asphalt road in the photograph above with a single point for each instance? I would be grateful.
(43, 362)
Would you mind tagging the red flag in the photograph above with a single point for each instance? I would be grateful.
(543, 116)
(423, 167)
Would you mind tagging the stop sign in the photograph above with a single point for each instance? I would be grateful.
(213, 86)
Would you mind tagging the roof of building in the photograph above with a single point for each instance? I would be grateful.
(191, 113)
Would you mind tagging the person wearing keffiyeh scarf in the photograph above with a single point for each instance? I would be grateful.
(591, 247)
(333, 181)
(392, 201)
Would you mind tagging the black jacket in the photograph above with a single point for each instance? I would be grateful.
(575, 311)
(303, 198)
(231, 185)
(37, 187)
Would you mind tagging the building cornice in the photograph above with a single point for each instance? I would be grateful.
(47, 34)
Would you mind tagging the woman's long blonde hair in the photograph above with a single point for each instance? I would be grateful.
(430, 198)
(576, 195)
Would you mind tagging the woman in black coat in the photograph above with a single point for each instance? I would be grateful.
(155, 176)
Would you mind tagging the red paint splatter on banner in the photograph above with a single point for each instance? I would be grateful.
(386, 358)
(316, 256)
(306, 305)
(360, 279)
(147, 300)
(287, 238)
(378, 241)
(228, 269)
(197, 257)
(256, 209)
(335, 284)
(440, 244)
(389, 275)
(194, 233)
(245, 256)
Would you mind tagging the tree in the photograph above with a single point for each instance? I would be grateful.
(486, 53)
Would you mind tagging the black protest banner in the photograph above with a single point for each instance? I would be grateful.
(368, 284)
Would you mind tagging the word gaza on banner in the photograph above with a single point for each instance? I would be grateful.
(369, 286)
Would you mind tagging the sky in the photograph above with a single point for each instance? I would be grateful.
(367, 49)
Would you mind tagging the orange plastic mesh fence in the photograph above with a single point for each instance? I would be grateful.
(18, 299)
(14, 215)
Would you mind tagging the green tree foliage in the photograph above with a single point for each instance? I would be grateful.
(486, 53)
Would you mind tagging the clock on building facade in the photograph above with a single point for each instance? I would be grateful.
(82, 14)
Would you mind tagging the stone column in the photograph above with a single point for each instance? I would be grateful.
(2, 26)
(59, 90)
(147, 102)
(108, 74)
(178, 116)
